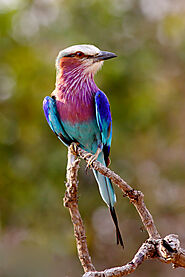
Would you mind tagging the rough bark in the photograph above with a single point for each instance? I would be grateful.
(166, 249)
(71, 202)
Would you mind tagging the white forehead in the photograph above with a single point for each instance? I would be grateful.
(87, 49)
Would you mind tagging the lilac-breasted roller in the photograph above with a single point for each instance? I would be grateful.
(78, 111)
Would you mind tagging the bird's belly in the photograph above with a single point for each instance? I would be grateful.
(85, 133)
(79, 122)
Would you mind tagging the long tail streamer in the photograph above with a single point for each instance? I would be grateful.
(118, 234)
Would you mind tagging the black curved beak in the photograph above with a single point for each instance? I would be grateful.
(104, 55)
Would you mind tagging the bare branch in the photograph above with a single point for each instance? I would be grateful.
(145, 252)
(151, 249)
(71, 202)
(136, 197)
(167, 250)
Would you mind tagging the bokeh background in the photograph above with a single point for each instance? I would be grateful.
(146, 88)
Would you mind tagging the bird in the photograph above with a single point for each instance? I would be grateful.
(79, 112)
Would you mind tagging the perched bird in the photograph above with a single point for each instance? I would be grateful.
(78, 111)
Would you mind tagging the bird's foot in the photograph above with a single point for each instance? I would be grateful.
(92, 158)
(73, 148)
(88, 155)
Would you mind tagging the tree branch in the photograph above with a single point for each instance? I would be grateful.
(151, 249)
(71, 202)
(136, 197)
(167, 250)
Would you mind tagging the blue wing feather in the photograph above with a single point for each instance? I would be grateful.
(51, 114)
(104, 121)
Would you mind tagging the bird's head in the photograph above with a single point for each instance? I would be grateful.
(85, 58)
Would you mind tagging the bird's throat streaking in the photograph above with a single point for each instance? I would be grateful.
(75, 85)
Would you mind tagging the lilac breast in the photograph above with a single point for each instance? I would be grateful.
(76, 110)
(76, 96)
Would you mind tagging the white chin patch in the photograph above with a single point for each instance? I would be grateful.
(94, 67)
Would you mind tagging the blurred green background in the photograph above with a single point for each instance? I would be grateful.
(146, 88)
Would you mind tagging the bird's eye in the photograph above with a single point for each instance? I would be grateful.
(79, 54)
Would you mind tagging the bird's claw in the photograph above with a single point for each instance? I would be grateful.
(73, 148)
(89, 163)
(88, 155)
(91, 160)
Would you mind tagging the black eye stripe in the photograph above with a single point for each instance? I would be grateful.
(70, 55)
(80, 55)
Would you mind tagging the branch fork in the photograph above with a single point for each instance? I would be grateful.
(166, 249)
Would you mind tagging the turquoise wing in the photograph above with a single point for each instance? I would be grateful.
(52, 116)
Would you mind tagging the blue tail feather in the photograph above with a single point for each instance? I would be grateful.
(105, 188)
(109, 197)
